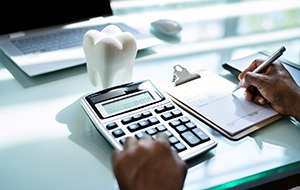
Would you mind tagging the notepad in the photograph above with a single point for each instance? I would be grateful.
(210, 99)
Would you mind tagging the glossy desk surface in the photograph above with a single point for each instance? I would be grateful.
(48, 142)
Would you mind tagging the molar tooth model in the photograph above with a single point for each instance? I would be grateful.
(110, 55)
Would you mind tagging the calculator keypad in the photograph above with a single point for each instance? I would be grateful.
(137, 109)
(160, 119)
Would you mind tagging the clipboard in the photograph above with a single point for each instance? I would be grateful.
(208, 97)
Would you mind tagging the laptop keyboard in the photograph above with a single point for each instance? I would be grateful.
(61, 40)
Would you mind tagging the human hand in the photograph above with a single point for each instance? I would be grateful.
(148, 164)
(274, 85)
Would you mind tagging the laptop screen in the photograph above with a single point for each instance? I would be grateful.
(33, 15)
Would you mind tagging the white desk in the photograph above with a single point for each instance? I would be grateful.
(48, 142)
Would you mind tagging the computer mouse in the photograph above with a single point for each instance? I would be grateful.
(166, 27)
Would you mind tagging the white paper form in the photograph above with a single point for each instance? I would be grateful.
(211, 96)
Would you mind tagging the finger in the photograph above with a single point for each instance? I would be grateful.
(163, 138)
(253, 79)
(248, 95)
(258, 99)
(252, 94)
(255, 63)
(145, 139)
(129, 142)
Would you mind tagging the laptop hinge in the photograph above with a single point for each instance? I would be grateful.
(16, 35)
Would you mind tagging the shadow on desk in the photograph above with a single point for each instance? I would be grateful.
(84, 134)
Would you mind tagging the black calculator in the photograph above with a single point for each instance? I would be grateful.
(138, 109)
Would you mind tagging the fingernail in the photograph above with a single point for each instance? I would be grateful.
(261, 101)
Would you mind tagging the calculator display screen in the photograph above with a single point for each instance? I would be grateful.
(129, 102)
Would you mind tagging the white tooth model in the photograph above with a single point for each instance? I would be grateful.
(110, 55)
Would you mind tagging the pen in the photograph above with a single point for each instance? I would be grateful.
(266, 63)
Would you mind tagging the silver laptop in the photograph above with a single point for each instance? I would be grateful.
(46, 37)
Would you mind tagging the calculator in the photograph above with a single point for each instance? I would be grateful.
(140, 108)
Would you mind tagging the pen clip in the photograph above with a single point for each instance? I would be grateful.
(182, 75)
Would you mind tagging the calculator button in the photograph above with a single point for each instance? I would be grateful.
(126, 120)
(166, 116)
(151, 131)
(179, 147)
(190, 138)
(160, 109)
(146, 114)
(190, 125)
(174, 123)
(184, 119)
(170, 106)
(168, 133)
(118, 133)
(201, 134)
(137, 117)
(173, 140)
(180, 128)
(140, 134)
(161, 127)
(111, 125)
(122, 141)
(144, 123)
(133, 127)
(176, 113)
(154, 136)
(153, 120)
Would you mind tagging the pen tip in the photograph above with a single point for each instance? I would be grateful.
(236, 88)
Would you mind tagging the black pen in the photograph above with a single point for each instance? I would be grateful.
(266, 63)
